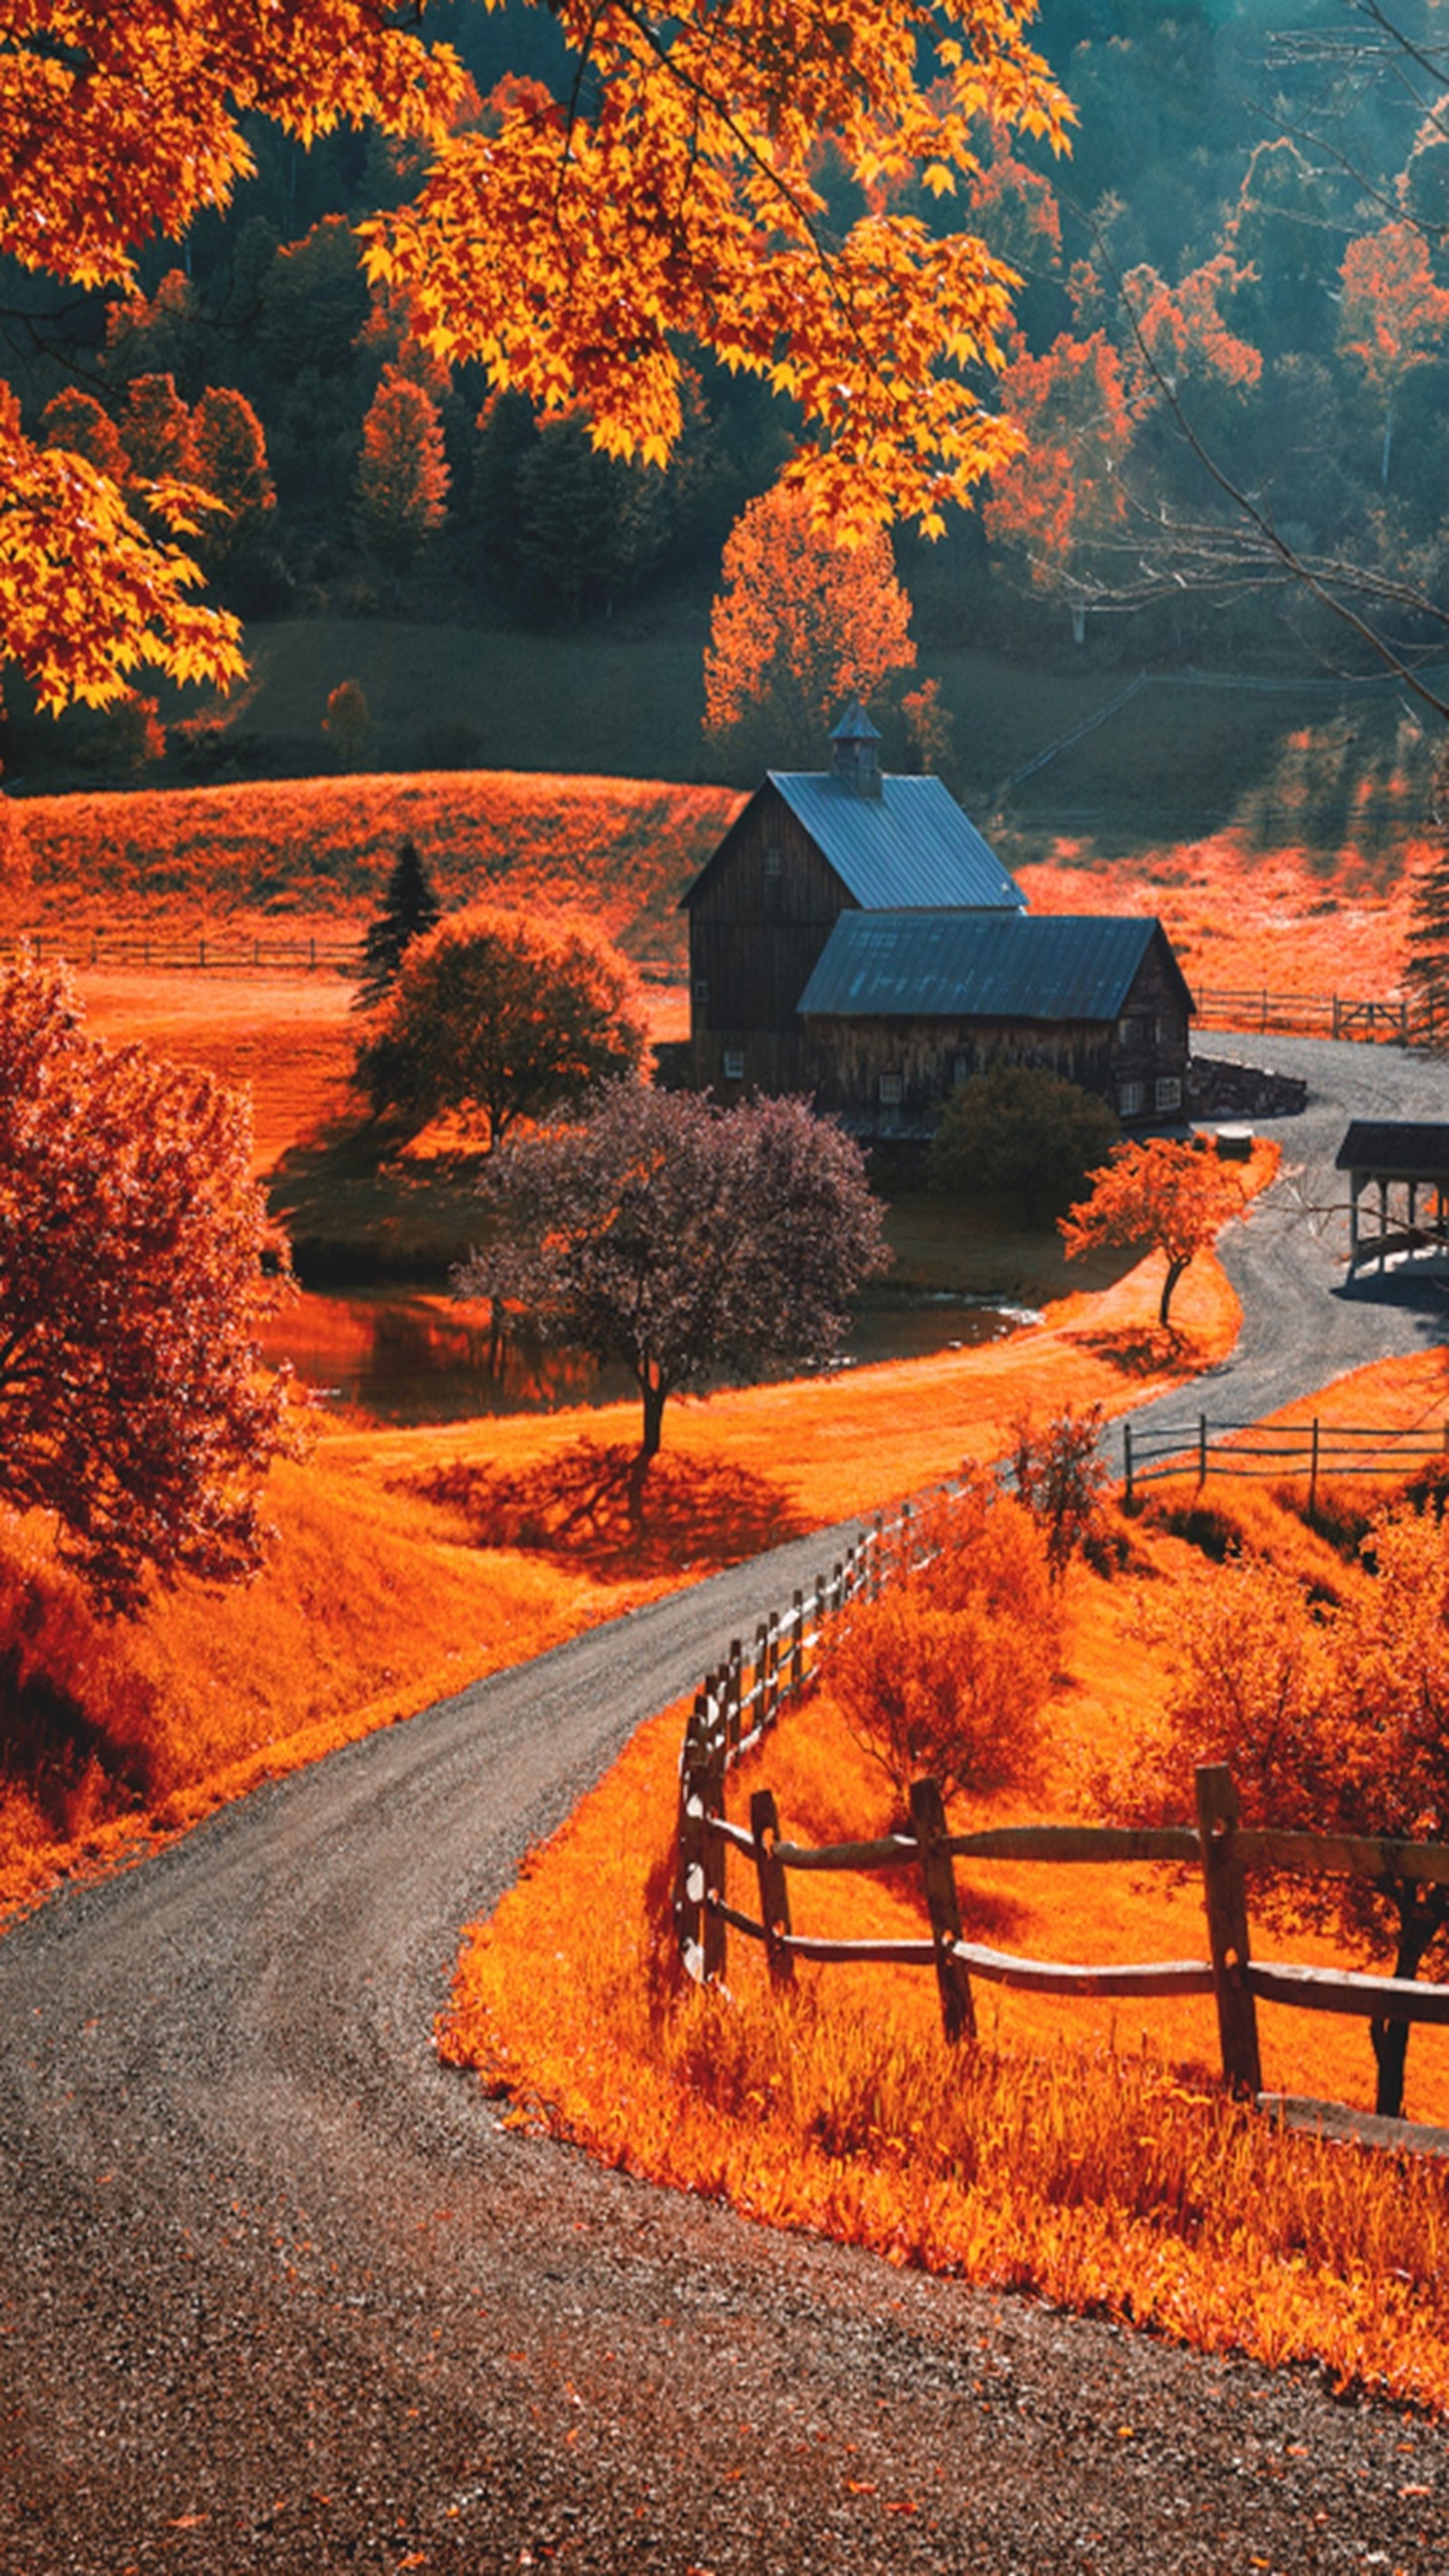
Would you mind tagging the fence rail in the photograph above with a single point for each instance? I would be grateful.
(163, 949)
(1223, 1850)
(1398, 1020)
(1316, 1449)
(741, 1700)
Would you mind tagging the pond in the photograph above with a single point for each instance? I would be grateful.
(414, 1359)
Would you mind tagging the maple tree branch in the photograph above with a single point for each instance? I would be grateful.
(1316, 579)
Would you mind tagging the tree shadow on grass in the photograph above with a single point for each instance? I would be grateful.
(1143, 1350)
(580, 1508)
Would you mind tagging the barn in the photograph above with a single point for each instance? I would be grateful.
(904, 1006)
(854, 936)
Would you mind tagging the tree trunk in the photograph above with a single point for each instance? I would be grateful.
(654, 1400)
(1175, 1270)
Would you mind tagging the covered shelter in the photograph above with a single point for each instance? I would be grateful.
(1398, 1179)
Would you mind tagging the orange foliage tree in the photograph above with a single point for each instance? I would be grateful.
(402, 478)
(496, 1016)
(674, 192)
(156, 433)
(946, 1673)
(228, 457)
(800, 625)
(1392, 314)
(133, 1244)
(1173, 1198)
(1061, 497)
(1334, 1718)
(76, 420)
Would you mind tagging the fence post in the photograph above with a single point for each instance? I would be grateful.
(730, 1678)
(772, 1668)
(774, 1887)
(1313, 1469)
(689, 1850)
(1126, 1462)
(938, 1876)
(1202, 1448)
(712, 1785)
(1226, 1899)
(762, 1675)
(797, 1648)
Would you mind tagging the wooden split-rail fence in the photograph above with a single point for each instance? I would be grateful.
(1317, 1450)
(216, 953)
(739, 1703)
(1397, 1019)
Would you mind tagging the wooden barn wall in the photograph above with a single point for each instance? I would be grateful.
(755, 936)
(845, 1059)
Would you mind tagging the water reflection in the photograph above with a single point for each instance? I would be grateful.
(432, 1359)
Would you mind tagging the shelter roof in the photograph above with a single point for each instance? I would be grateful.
(1397, 1149)
(908, 847)
(983, 965)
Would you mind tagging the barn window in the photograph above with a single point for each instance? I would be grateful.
(1132, 1099)
(1168, 1028)
(774, 858)
(734, 1064)
(701, 990)
(892, 1091)
(1128, 1032)
(960, 1071)
(1169, 1091)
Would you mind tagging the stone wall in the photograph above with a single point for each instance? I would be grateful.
(1217, 1088)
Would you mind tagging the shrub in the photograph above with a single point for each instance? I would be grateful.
(1023, 1130)
(946, 1673)
(1059, 1474)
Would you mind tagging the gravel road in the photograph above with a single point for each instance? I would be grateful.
(277, 2294)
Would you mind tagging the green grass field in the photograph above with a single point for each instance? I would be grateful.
(1296, 760)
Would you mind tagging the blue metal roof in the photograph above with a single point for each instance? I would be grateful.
(911, 846)
(952, 965)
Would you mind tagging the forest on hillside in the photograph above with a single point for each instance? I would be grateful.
(1240, 275)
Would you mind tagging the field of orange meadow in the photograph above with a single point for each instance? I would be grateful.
(1243, 919)
(310, 856)
(457, 1562)
(1081, 2150)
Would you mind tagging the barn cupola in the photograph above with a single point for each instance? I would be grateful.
(855, 751)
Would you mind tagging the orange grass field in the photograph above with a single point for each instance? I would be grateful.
(1241, 918)
(311, 856)
(454, 1567)
(1081, 2150)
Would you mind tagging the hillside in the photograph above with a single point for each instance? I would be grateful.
(1291, 865)
(266, 857)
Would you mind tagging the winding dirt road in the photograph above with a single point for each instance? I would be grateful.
(277, 2294)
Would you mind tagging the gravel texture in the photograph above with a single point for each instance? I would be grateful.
(277, 2293)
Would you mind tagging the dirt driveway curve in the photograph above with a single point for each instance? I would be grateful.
(276, 2294)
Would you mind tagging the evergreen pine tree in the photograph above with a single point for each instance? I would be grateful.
(410, 907)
